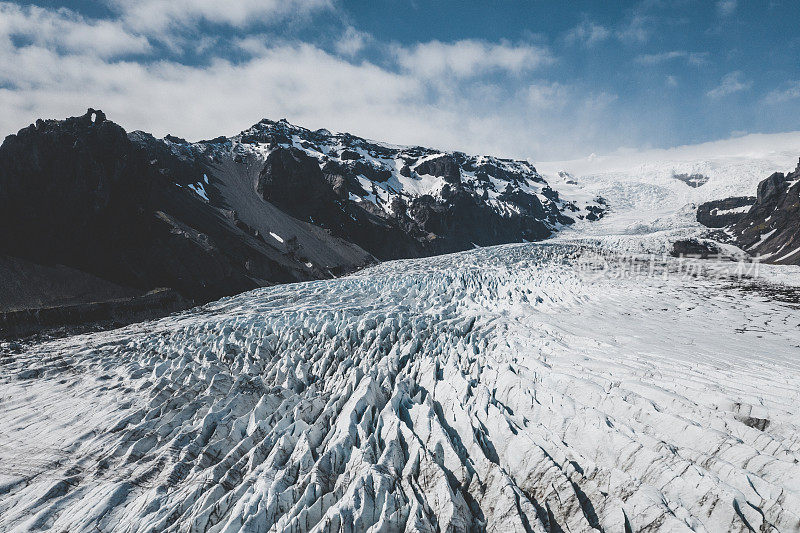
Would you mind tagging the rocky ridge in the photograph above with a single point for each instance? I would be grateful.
(276, 203)
(767, 226)
(725, 212)
(440, 201)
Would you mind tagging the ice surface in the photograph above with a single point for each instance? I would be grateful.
(504, 388)
(649, 208)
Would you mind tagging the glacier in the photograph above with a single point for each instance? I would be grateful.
(585, 383)
(501, 389)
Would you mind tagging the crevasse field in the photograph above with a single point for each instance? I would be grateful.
(561, 386)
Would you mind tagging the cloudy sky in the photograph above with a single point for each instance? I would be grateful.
(539, 79)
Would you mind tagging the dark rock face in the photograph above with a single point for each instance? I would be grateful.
(444, 166)
(294, 182)
(78, 173)
(771, 228)
(349, 155)
(595, 212)
(106, 314)
(461, 220)
(371, 172)
(529, 204)
(695, 248)
(341, 178)
(83, 194)
(485, 170)
(290, 175)
(770, 188)
(692, 180)
(722, 213)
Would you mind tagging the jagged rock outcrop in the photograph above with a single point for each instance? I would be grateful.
(444, 166)
(701, 248)
(692, 180)
(771, 228)
(726, 212)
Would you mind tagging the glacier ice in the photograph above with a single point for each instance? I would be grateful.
(500, 389)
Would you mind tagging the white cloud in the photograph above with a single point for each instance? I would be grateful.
(654, 59)
(67, 32)
(779, 149)
(547, 95)
(588, 33)
(790, 91)
(635, 31)
(352, 42)
(693, 58)
(57, 63)
(726, 8)
(468, 58)
(731, 83)
(600, 101)
(159, 16)
(308, 86)
(299, 81)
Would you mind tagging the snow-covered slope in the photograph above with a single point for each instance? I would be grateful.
(650, 206)
(379, 173)
(508, 389)
(393, 201)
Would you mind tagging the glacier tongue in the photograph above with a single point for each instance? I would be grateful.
(500, 389)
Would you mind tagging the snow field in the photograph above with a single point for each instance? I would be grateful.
(495, 389)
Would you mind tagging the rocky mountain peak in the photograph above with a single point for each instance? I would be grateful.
(365, 171)
(771, 228)
(275, 203)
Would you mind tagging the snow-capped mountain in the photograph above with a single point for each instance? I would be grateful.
(122, 214)
(430, 201)
(388, 176)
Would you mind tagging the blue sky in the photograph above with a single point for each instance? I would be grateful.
(543, 80)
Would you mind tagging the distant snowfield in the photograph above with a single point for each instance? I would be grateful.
(510, 388)
(650, 209)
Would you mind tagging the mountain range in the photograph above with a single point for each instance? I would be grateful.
(101, 225)
(92, 213)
